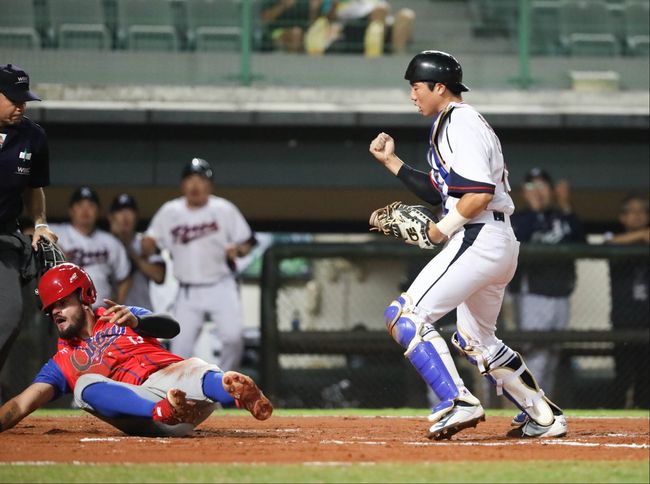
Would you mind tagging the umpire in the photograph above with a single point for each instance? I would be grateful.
(24, 171)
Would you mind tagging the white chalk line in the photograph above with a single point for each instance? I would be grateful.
(549, 442)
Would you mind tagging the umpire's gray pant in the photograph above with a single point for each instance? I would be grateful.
(11, 298)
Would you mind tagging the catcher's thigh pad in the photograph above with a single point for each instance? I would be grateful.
(506, 369)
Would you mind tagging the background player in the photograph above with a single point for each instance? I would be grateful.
(117, 369)
(542, 288)
(123, 220)
(478, 258)
(204, 235)
(97, 251)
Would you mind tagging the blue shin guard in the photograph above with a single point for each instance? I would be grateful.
(422, 355)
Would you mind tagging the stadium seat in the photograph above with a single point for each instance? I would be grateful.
(146, 25)
(78, 24)
(18, 25)
(586, 28)
(213, 24)
(637, 34)
(494, 17)
(545, 32)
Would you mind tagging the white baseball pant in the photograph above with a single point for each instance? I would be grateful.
(221, 302)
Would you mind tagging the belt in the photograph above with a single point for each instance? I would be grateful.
(491, 217)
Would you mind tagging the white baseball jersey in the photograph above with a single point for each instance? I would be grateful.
(100, 254)
(138, 294)
(465, 157)
(197, 237)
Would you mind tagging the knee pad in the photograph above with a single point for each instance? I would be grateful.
(506, 369)
(401, 324)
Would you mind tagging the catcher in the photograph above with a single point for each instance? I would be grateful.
(117, 369)
(477, 257)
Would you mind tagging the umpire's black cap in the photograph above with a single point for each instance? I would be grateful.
(197, 166)
(14, 84)
(84, 193)
(123, 200)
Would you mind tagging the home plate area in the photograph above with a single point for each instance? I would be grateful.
(317, 440)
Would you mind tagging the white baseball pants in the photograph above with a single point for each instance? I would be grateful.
(470, 273)
(221, 302)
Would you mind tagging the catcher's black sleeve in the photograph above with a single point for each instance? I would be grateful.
(419, 183)
(158, 326)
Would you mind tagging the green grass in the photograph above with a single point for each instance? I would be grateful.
(385, 412)
(478, 472)
(505, 471)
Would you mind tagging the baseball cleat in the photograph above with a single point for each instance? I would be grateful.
(520, 419)
(175, 408)
(461, 417)
(246, 394)
(532, 429)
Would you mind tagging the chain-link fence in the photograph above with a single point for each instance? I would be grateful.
(324, 343)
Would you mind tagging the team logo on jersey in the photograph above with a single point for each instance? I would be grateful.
(83, 258)
(93, 354)
(184, 234)
(25, 158)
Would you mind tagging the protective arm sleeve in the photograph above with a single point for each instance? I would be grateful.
(420, 184)
(157, 326)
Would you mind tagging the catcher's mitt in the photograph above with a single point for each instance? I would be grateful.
(406, 222)
(49, 254)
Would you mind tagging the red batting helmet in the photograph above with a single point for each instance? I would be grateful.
(61, 281)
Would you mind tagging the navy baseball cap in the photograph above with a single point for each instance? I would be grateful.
(14, 84)
(197, 166)
(84, 193)
(123, 200)
(538, 173)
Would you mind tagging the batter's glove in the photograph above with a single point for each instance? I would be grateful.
(49, 254)
(407, 222)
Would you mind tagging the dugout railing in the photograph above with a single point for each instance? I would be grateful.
(589, 340)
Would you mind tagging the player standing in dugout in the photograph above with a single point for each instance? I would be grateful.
(468, 177)
(24, 171)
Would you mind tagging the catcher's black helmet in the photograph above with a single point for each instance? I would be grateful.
(197, 166)
(435, 66)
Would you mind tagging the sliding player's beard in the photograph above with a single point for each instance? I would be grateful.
(75, 324)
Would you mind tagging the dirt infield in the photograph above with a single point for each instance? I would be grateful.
(317, 439)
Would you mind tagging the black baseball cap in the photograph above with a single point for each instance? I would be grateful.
(14, 84)
(197, 166)
(84, 193)
(538, 173)
(123, 200)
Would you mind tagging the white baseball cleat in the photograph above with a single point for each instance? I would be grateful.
(532, 429)
(462, 416)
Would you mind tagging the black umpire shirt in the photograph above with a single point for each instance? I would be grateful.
(24, 162)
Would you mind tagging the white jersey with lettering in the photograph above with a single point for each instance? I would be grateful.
(465, 157)
(100, 254)
(197, 238)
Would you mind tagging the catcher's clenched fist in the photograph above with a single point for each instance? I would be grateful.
(407, 222)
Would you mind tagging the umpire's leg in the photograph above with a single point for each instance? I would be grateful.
(11, 300)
